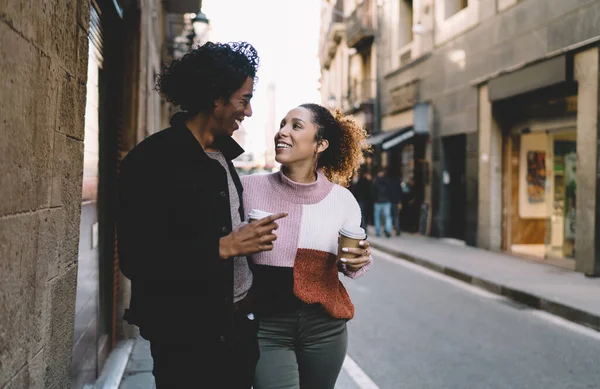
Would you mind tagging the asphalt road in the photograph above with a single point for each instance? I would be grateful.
(417, 329)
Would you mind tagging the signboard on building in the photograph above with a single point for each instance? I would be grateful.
(403, 97)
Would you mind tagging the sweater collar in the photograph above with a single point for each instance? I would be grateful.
(299, 193)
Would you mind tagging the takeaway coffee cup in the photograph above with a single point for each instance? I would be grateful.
(350, 237)
(257, 214)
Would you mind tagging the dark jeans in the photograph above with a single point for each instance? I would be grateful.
(194, 366)
(396, 217)
(304, 349)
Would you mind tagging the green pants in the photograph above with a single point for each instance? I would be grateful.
(304, 349)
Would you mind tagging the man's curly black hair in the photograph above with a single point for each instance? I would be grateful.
(207, 73)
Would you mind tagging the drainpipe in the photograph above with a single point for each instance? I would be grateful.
(377, 102)
(376, 105)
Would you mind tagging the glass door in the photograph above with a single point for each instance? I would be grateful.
(560, 242)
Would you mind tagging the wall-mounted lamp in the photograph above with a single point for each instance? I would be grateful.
(332, 102)
(418, 28)
(200, 23)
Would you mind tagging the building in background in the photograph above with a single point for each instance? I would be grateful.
(492, 108)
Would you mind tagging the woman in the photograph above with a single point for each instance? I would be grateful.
(301, 304)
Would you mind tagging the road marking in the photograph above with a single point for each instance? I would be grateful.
(583, 330)
(358, 375)
(432, 273)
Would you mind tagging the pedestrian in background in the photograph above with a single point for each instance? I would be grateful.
(410, 207)
(302, 305)
(382, 202)
(179, 238)
(396, 194)
(361, 189)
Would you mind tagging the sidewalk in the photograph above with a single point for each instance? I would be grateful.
(559, 291)
(138, 373)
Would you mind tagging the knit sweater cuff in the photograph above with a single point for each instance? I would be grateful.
(355, 274)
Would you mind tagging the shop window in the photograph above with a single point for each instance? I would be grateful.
(454, 6)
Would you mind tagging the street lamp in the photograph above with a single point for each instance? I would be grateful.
(200, 24)
(331, 103)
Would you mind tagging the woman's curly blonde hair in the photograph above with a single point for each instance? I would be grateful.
(347, 143)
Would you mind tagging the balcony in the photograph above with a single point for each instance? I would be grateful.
(360, 29)
(333, 36)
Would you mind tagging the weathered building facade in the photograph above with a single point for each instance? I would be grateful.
(77, 95)
(492, 107)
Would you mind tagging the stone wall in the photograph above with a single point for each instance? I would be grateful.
(43, 68)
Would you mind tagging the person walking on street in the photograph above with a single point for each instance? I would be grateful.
(382, 203)
(361, 190)
(410, 208)
(180, 239)
(396, 200)
(301, 303)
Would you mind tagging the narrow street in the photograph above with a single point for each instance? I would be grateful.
(418, 329)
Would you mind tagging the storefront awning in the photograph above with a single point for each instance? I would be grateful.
(398, 138)
(383, 137)
(375, 140)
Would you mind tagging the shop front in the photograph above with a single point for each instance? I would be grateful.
(540, 190)
(538, 131)
(538, 161)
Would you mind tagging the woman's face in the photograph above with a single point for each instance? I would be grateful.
(295, 141)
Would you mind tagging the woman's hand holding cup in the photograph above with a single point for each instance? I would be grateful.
(358, 257)
(354, 250)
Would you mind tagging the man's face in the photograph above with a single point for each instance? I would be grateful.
(228, 115)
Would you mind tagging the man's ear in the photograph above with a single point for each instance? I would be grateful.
(322, 145)
(220, 102)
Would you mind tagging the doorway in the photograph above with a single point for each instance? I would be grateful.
(454, 185)
(540, 192)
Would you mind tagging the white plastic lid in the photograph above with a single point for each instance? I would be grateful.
(353, 232)
(256, 214)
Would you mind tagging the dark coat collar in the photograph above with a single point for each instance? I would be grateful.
(226, 144)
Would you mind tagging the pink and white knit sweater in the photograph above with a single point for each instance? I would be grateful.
(307, 239)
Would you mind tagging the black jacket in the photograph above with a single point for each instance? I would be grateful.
(173, 210)
(396, 192)
(381, 190)
(362, 190)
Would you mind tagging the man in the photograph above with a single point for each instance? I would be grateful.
(410, 208)
(381, 198)
(181, 241)
(396, 200)
(362, 192)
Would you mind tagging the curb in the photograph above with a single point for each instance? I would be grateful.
(115, 365)
(566, 312)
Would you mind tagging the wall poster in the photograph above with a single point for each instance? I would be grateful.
(534, 179)
(536, 176)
